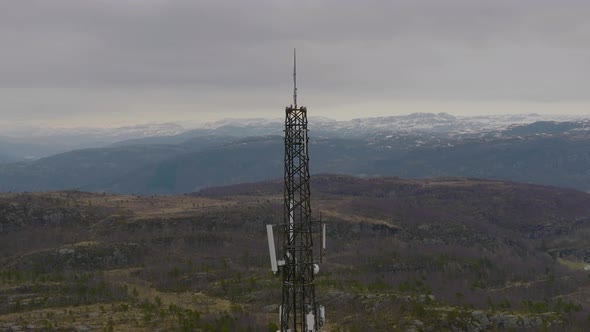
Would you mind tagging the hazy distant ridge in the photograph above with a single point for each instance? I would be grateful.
(544, 152)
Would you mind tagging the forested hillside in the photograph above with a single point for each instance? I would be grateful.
(436, 254)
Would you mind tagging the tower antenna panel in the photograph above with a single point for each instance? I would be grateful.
(271, 249)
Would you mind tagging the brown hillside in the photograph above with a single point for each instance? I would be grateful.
(443, 254)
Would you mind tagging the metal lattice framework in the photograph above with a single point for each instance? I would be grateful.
(299, 311)
(298, 299)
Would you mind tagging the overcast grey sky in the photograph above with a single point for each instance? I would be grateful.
(117, 62)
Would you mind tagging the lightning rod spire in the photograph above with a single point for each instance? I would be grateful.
(295, 78)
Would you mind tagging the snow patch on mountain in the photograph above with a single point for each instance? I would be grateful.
(127, 132)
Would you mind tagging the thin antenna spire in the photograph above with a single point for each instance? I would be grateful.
(294, 78)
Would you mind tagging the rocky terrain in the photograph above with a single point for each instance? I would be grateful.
(447, 254)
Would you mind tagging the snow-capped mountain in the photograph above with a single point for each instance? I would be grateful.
(412, 123)
(27, 143)
(237, 122)
(517, 148)
(437, 123)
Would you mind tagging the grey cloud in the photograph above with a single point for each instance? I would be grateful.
(423, 49)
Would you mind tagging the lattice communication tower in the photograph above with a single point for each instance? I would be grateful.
(299, 310)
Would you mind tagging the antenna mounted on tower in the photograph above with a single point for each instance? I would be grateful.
(295, 77)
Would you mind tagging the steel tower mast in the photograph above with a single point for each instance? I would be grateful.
(299, 310)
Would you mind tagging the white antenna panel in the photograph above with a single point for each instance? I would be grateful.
(271, 249)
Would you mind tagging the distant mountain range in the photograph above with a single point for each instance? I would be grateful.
(440, 123)
(31, 143)
(413, 146)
